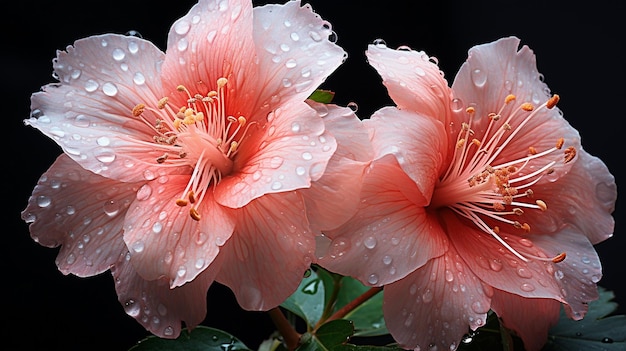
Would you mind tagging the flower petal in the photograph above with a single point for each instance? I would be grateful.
(101, 79)
(268, 254)
(390, 235)
(578, 274)
(156, 306)
(529, 318)
(294, 50)
(83, 213)
(418, 143)
(164, 240)
(499, 267)
(585, 198)
(291, 150)
(413, 80)
(434, 306)
(213, 40)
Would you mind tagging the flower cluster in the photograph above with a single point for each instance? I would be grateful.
(209, 163)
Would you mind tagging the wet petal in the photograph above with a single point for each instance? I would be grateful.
(413, 80)
(436, 305)
(390, 235)
(499, 267)
(268, 254)
(83, 213)
(164, 240)
(418, 144)
(529, 318)
(295, 51)
(289, 152)
(214, 40)
(156, 306)
(90, 114)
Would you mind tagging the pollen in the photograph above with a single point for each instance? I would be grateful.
(138, 109)
(570, 153)
(509, 98)
(527, 106)
(559, 143)
(542, 205)
(162, 102)
(553, 101)
(559, 258)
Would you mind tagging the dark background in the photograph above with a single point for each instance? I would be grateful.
(579, 50)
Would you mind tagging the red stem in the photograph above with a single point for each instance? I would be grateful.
(354, 303)
(291, 337)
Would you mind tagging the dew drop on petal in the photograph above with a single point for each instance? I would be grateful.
(277, 185)
(307, 156)
(111, 208)
(91, 85)
(43, 201)
(373, 278)
(527, 287)
(300, 170)
(103, 141)
(479, 77)
(144, 192)
(139, 78)
(118, 54)
(132, 308)
(370, 242)
(109, 89)
(138, 246)
(181, 27)
(427, 296)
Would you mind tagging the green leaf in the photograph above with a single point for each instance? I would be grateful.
(323, 96)
(368, 317)
(307, 301)
(328, 336)
(597, 331)
(199, 339)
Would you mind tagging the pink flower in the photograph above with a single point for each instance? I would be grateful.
(480, 197)
(183, 168)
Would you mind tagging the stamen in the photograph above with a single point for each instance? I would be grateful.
(477, 189)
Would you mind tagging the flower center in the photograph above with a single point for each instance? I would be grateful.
(199, 134)
(477, 188)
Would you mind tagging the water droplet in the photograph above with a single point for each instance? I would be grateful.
(118, 54)
(291, 63)
(105, 156)
(427, 296)
(524, 273)
(111, 208)
(109, 89)
(387, 260)
(132, 308)
(527, 287)
(307, 156)
(211, 36)
(276, 162)
(300, 170)
(43, 201)
(295, 36)
(157, 227)
(295, 127)
(479, 77)
(133, 33)
(373, 278)
(139, 78)
(370, 242)
(199, 263)
(449, 275)
(103, 141)
(138, 246)
(182, 27)
(380, 43)
(277, 185)
(559, 274)
(607, 340)
(315, 36)
(91, 85)
(353, 106)
(182, 270)
(495, 265)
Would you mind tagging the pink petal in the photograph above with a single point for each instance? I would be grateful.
(390, 235)
(578, 274)
(294, 50)
(164, 240)
(289, 152)
(418, 143)
(156, 306)
(413, 80)
(531, 319)
(500, 268)
(333, 199)
(351, 135)
(89, 113)
(584, 198)
(436, 305)
(83, 213)
(268, 254)
(213, 40)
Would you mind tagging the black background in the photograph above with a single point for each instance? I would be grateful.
(579, 50)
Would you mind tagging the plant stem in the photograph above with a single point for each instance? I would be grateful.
(291, 337)
(354, 303)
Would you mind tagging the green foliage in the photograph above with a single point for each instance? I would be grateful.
(199, 339)
(323, 96)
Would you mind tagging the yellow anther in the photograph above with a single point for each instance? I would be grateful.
(542, 205)
(509, 98)
(242, 120)
(570, 153)
(476, 142)
(559, 143)
(496, 230)
(553, 101)
(162, 102)
(194, 214)
(199, 116)
(532, 150)
(233, 146)
(527, 106)
(559, 258)
(222, 82)
(470, 110)
(138, 109)
(181, 88)
(460, 143)
(518, 211)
